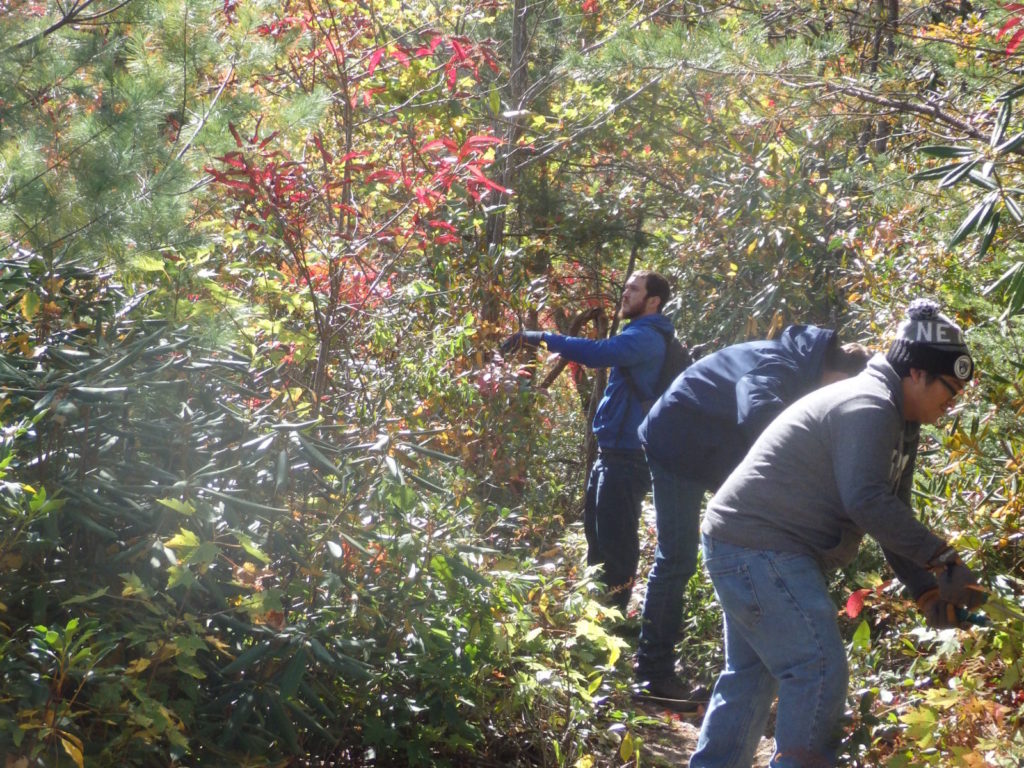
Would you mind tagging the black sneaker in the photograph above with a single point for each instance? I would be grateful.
(672, 693)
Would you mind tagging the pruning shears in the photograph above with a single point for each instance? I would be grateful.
(994, 607)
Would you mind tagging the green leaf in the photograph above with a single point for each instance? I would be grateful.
(250, 546)
(989, 233)
(1013, 208)
(980, 180)
(947, 151)
(862, 637)
(281, 480)
(317, 457)
(958, 173)
(247, 658)
(936, 172)
(1011, 145)
(204, 554)
(1002, 120)
(1011, 94)
(290, 679)
(971, 222)
(244, 503)
(86, 598)
(147, 263)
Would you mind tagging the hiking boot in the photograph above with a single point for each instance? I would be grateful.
(671, 692)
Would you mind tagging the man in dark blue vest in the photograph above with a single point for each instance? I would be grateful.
(694, 436)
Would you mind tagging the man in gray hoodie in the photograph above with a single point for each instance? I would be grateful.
(832, 467)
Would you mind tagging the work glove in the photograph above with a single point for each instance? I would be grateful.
(938, 613)
(957, 583)
(517, 341)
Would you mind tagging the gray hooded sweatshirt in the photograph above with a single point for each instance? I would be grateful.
(835, 465)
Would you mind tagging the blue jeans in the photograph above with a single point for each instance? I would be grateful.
(677, 503)
(781, 636)
(616, 487)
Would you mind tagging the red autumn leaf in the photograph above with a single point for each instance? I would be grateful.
(375, 58)
(383, 175)
(267, 140)
(1013, 22)
(855, 602)
(429, 49)
(234, 132)
(327, 157)
(490, 60)
(480, 141)
(439, 144)
(1014, 42)
(234, 159)
(401, 57)
(479, 176)
(428, 197)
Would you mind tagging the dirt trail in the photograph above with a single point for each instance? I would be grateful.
(673, 739)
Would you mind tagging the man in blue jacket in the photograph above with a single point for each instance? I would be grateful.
(694, 436)
(619, 479)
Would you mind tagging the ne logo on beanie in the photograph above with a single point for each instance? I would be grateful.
(930, 341)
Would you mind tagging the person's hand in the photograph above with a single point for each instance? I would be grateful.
(938, 613)
(517, 341)
(957, 583)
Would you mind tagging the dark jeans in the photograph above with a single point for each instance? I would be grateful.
(677, 503)
(618, 482)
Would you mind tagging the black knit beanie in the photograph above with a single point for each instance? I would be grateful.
(930, 341)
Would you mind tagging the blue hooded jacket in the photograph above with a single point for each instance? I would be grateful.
(703, 425)
(641, 348)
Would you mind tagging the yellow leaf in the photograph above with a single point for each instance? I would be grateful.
(217, 643)
(822, 188)
(137, 667)
(29, 305)
(10, 562)
(184, 539)
(73, 749)
(628, 747)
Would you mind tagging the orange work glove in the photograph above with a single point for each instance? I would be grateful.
(938, 613)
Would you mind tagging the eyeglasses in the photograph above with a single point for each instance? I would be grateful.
(953, 391)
